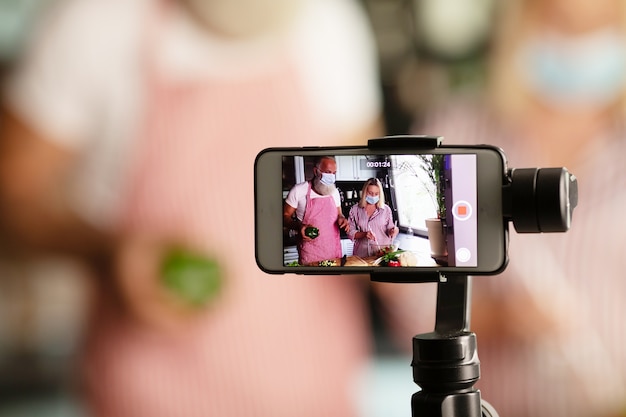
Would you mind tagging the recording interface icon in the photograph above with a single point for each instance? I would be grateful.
(462, 210)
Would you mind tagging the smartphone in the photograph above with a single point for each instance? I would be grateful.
(430, 212)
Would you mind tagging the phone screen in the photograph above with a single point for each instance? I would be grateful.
(438, 210)
(413, 192)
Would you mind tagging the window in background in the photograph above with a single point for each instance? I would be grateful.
(414, 192)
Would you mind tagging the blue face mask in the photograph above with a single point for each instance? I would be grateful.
(327, 179)
(587, 70)
(371, 199)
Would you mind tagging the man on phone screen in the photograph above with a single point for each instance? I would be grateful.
(318, 217)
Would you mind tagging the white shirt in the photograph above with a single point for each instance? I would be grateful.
(91, 57)
(297, 198)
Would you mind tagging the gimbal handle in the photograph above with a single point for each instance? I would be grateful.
(445, 361)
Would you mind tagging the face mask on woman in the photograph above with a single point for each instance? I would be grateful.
(372, 199)
(576, 71)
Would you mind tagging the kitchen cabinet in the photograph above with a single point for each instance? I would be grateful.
(290, 254)
(351, 168)
(345, 168)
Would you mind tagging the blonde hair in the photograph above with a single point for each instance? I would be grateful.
(381, 194)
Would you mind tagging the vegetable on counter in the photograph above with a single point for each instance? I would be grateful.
(392, 258)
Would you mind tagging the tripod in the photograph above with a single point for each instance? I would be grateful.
(445, 361)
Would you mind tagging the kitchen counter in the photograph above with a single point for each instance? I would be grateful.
(418, 246)
(419, 259)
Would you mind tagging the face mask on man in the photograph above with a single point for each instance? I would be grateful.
(327, 179)
(576, 71)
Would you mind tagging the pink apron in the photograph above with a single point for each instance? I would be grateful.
(321, 213)
(271, 346)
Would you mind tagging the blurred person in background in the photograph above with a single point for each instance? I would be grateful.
(550, 329)
(131, 127)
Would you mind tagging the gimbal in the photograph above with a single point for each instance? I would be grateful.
(445, 361)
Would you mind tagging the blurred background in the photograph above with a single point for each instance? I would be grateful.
(43, 305)
(430, 53)
(428, 49)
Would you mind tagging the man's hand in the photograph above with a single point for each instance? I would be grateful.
(303, 234)
(343, 223)
(137, 269)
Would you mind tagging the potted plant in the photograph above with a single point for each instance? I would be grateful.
(434, 167)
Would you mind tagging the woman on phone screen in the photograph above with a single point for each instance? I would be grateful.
(371, 221)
